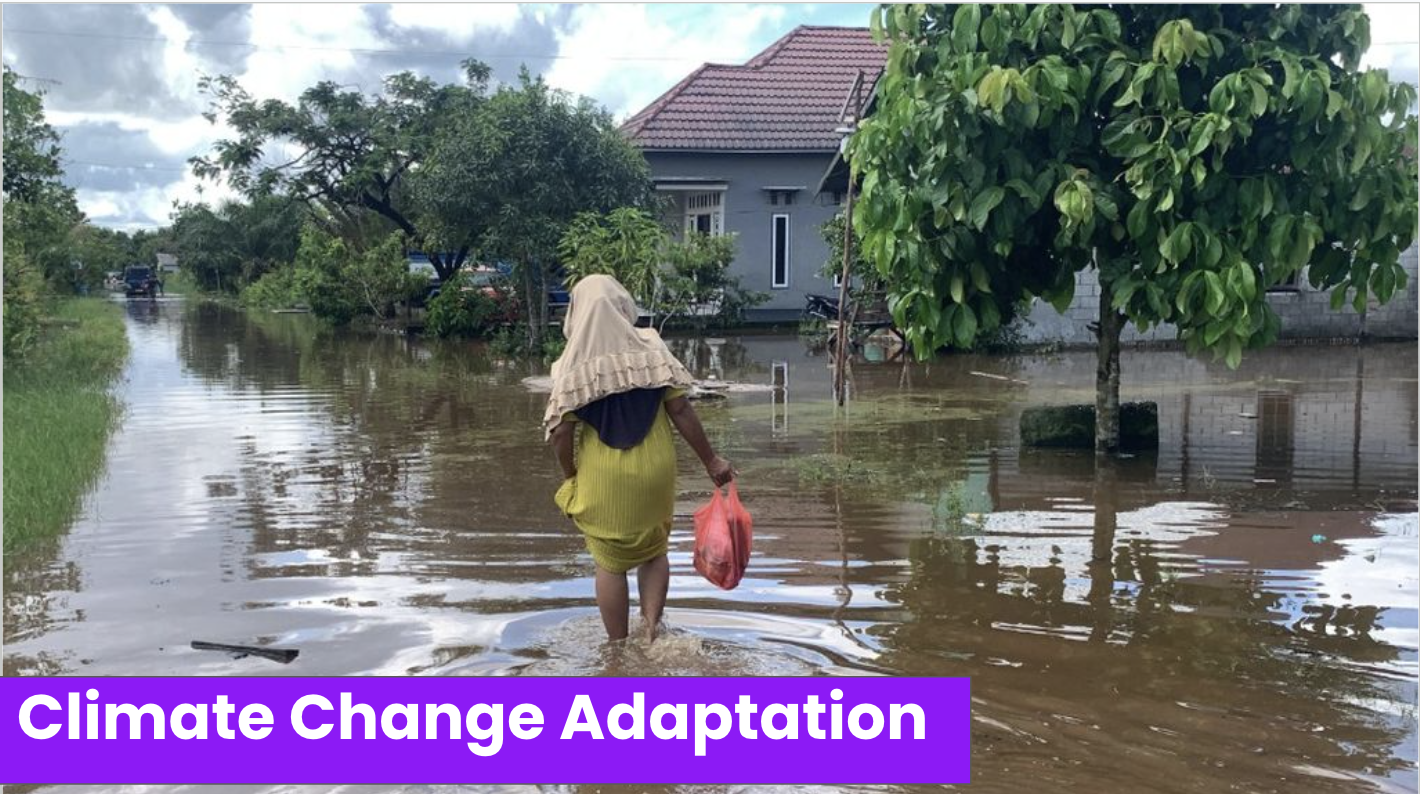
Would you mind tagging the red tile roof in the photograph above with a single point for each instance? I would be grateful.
(787, 98)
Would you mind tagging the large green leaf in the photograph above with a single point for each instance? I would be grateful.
(984, 202)
(965, 23)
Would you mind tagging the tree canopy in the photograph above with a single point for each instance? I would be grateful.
(40, 210)
(346, 153)
(226, 248)
(521, 168)
(31, 155)
(1193, 156)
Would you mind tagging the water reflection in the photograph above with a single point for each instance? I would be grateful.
(1236, 610)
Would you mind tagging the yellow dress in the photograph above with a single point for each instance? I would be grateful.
(623, 500)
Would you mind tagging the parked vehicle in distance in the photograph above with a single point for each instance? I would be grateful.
(557, 295)
(498, 283)
(141, 280)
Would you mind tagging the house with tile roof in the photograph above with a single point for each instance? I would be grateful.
(743, 149)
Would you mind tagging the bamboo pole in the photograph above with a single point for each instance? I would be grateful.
(844, 331)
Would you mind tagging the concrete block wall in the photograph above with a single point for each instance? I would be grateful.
(1306, 313)
(1399, 317)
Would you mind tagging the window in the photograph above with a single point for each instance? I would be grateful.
(779, 251)
(705, 213)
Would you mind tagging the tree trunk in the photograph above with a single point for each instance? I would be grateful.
(526, 269)
(1111, 323)
(443, 269)
(538, 298)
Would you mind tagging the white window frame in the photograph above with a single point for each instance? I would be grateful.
(712, 204)
(774, 248)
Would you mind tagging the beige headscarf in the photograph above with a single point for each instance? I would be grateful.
(606, 353)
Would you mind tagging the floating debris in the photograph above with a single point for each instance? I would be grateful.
(282, 655)
(999, 377)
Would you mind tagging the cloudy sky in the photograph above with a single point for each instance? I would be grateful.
(122, 79)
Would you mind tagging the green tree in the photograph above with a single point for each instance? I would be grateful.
(699, 289)
(627, 244)
(860, 270)
(23, 287)
(232, 246)
(523, 166)
(347, 154)
(148, 243)
(672, 279)
(31, 153)
(461, 308)
(98, 250)
(40, 210)
(340, 284)
(1191, 156)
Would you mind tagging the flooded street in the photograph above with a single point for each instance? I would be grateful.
(1235, 613)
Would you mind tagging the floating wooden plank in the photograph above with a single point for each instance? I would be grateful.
(282, 655)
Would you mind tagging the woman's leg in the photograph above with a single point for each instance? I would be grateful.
(613, 601)
(653, 579)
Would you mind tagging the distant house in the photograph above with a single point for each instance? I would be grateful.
(743, 150)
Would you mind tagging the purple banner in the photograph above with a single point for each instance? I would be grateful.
(485, 730)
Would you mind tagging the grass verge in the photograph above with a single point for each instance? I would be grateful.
(58, 413)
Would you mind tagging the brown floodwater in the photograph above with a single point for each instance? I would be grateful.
(1237, 612)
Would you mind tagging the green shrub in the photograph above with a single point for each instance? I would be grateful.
(460, 309)
(277, 289)
(340, 284)
(512, 342)
(672, 279)
(626, 244)
(700, 276)
(22, 310)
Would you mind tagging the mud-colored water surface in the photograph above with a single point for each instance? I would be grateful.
(1237, 612)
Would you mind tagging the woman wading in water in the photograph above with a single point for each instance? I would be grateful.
(616, 391)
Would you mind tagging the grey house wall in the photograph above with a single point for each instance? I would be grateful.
(749, 215)
(1306, 314)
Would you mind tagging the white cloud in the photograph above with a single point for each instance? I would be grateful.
(284, 73)
(456, 19)
(181, 67)
(180, 138)
(147, 207)
(600, 37)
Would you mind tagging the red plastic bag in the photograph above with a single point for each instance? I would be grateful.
(724, 533)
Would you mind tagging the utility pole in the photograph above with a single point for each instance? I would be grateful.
(844, 334)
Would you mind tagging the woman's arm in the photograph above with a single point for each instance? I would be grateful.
(688, 423)
(562, 447)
